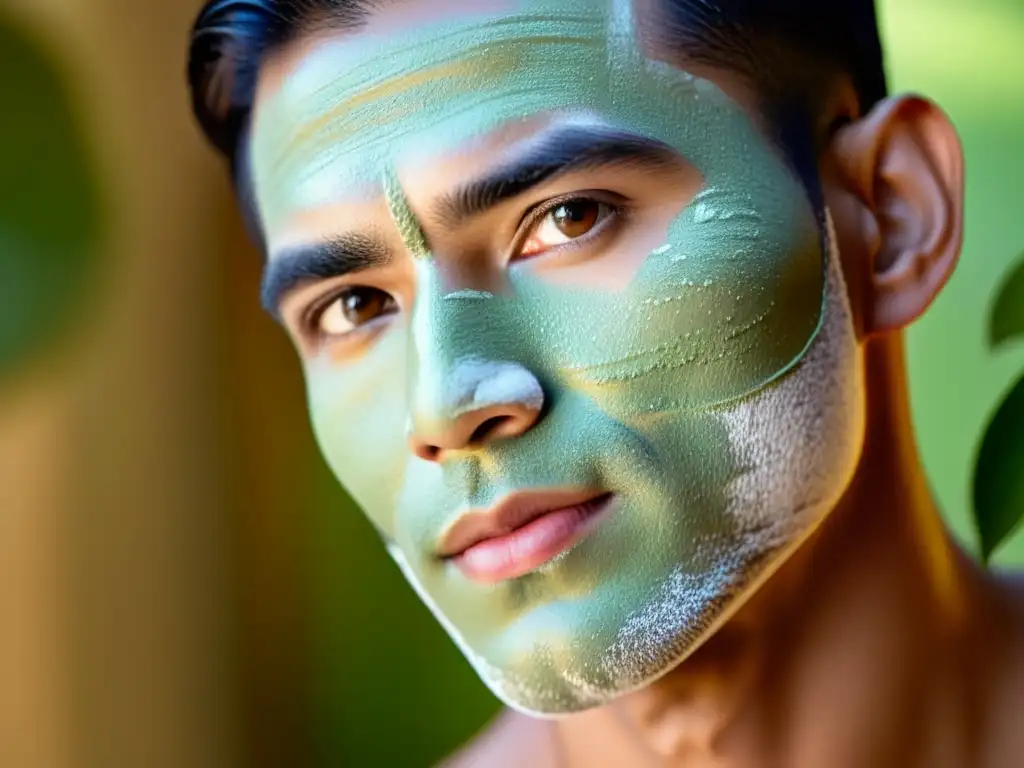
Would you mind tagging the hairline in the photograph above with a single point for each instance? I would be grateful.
(764, 107)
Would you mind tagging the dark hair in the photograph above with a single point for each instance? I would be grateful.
(790, 50)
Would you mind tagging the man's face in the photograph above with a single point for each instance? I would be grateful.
(573, 336)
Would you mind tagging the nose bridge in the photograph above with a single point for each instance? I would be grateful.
(450, 337)
(466, 384)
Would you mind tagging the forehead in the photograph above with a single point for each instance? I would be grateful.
(344, 112)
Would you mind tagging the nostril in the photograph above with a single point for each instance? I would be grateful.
(428, 452)
(487, 428)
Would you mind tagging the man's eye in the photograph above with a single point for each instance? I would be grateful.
(352, 308)
(564, 222)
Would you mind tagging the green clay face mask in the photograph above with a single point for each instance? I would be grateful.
(649, 390)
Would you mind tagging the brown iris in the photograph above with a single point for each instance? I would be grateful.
(361, 305)
(574, 218)
(354, 307)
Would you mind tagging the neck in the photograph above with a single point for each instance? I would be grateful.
(877, 643)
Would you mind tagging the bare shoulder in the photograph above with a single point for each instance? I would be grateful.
(1005, 738)
(510, 740)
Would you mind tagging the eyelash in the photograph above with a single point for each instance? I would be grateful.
(313, 316)
(614, 212)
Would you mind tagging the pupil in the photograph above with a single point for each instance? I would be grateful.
(361, 306)
(576, 217)
(571, 211)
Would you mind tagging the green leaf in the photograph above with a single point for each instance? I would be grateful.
(48, 202)
(1008, 311)
(999, 473)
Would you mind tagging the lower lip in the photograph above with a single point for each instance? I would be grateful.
(529, 547)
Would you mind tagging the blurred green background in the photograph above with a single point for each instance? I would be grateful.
(185, 582)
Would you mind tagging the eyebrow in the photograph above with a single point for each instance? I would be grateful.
(570, 149)
(302, 264)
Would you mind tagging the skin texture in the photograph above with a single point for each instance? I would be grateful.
(876, 610)
(654, 375)
(878, 642)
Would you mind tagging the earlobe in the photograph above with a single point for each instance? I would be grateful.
(904, 164)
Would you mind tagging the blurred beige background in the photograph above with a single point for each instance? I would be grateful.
(177, 565)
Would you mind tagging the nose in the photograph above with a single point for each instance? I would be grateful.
(477, 402)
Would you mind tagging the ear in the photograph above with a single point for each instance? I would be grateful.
(894, 181)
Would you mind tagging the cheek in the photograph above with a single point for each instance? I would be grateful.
(358, 411)
(799, 440)
(725, 304)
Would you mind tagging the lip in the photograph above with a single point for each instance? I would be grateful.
(521, 532)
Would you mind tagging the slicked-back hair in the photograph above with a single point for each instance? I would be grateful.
(790, 51)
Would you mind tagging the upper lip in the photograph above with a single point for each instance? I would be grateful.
(511, 512)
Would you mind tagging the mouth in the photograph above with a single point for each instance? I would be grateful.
(521, 533)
